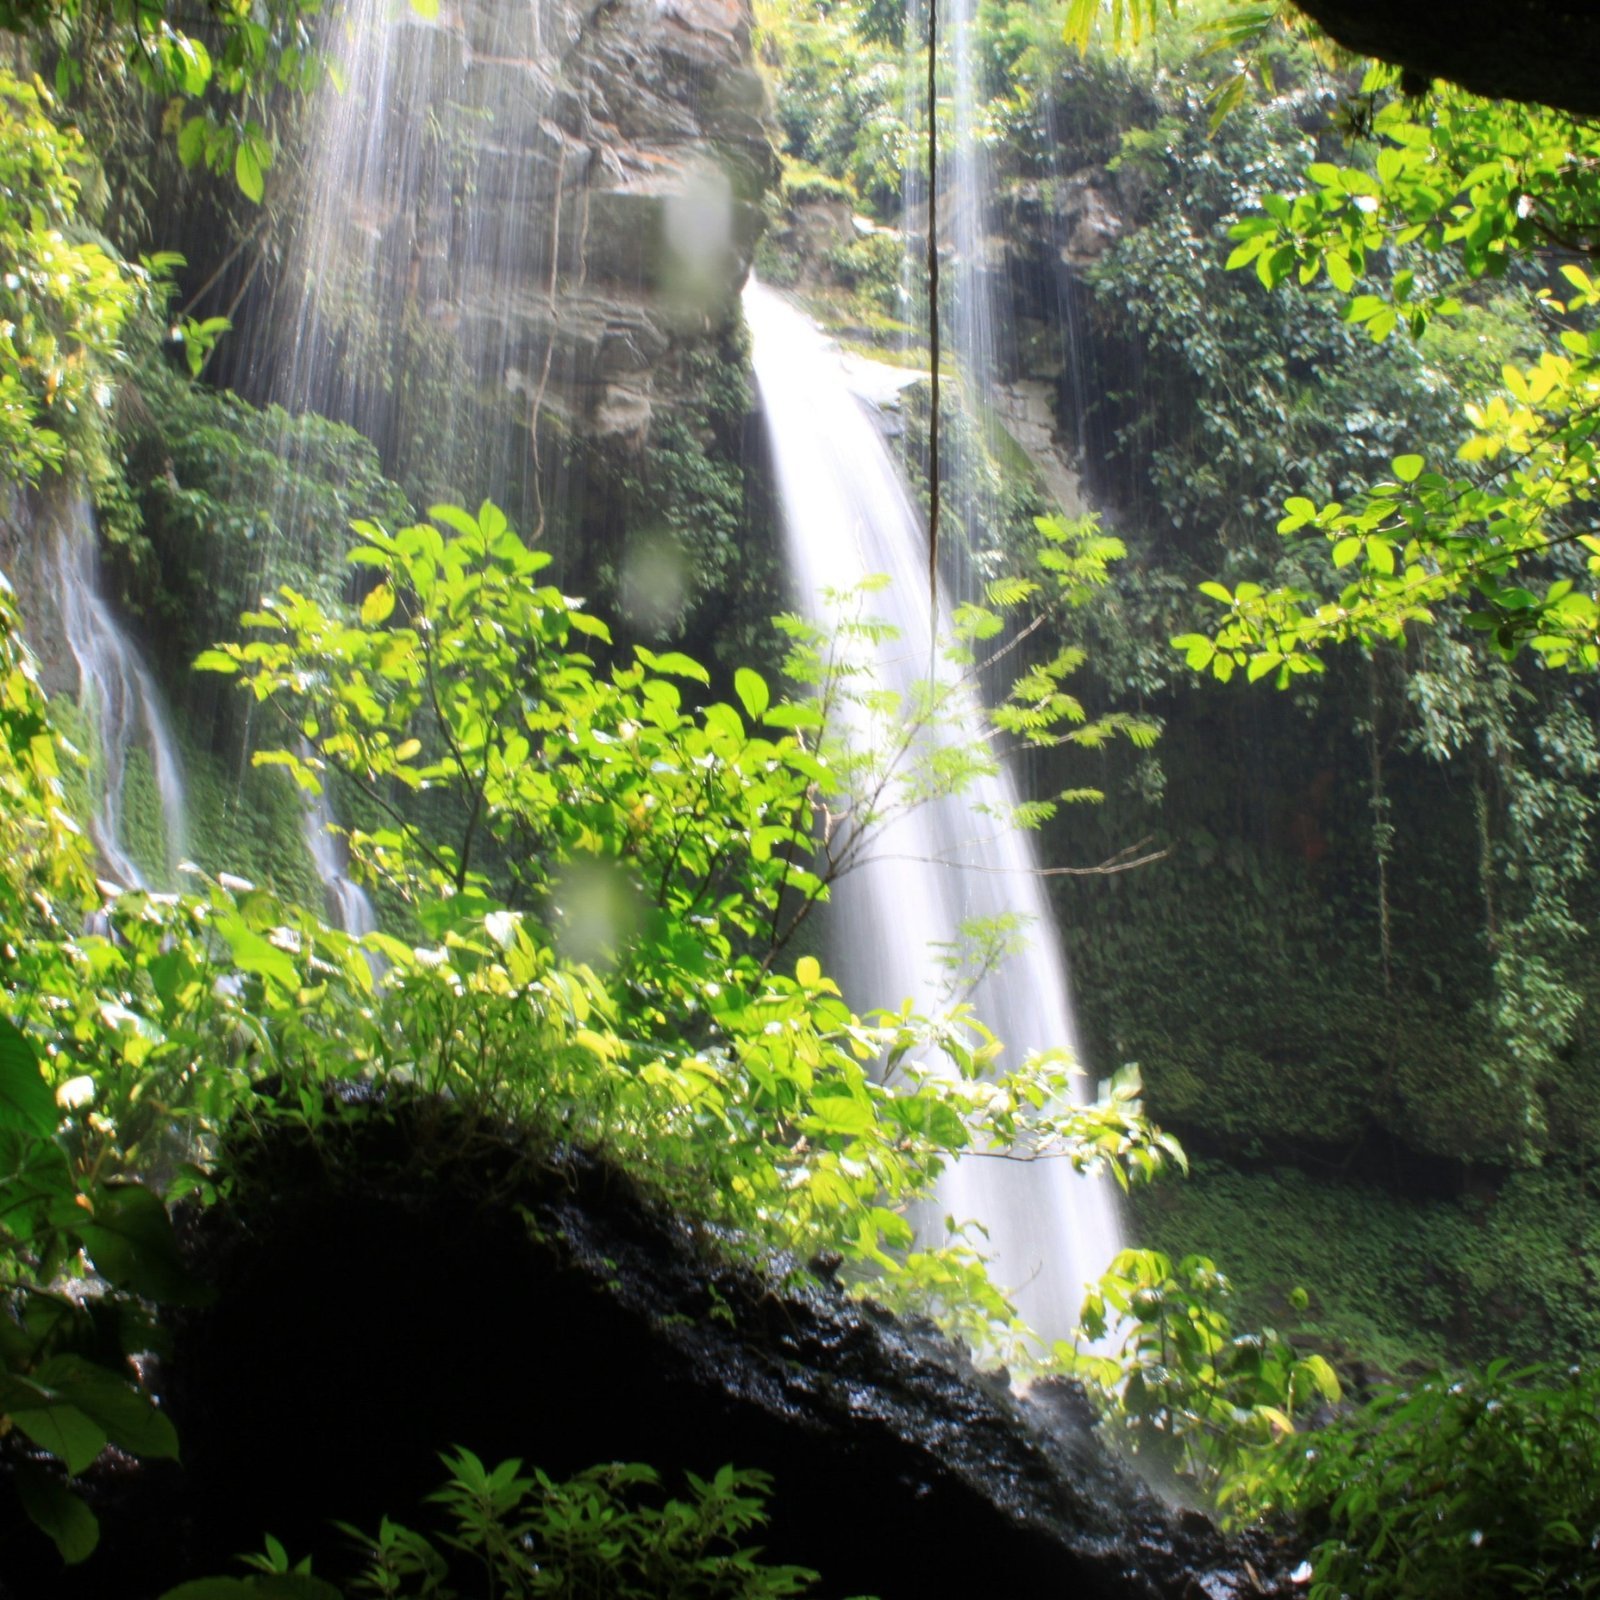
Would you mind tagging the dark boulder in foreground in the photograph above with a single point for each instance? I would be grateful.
(410, 1281)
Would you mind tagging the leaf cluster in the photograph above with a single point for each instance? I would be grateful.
(629, 868)
(515, 1535)
(1482, 1485)
(1190, 1392)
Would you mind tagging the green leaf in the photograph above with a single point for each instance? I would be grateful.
(751, 688)
(1408, 468)
(71, 1437)
(128, 1416)
(793, 714)
(252, 953)
(192, 141)
(378, 606)
(129, 1237)
(247, 171)
(676, 663)
(54, 1509)
(26, 1100)
(582, 622)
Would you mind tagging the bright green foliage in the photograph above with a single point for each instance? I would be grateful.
(1452, 191)
(1330, 834)
(1191, 1393)
(213, 80)
(1445, 192)
(627, 873)
(841, 102)
(1468, 1488)
(1130, 20)
(44, 851)
(63, 300)
(58, 1203)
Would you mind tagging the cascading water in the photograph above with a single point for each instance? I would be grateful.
(945, 863)
(419, 299)
(119, 696)
(347, 903)
(375, 258)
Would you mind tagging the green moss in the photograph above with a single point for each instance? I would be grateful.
(241, 819)
(84, 781)
(144, 833)
(804, 184)
(77, 775)
(1504, 1269)
(249, 821)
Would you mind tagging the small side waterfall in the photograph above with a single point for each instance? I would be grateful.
(119, 696)
(847, 517)
(348, 906)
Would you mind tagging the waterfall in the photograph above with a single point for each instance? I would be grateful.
(424, 235)
(846, 517)
(347, 905)
(120, 699)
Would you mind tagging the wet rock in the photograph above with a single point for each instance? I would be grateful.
(1539, 50)
(413, 1282)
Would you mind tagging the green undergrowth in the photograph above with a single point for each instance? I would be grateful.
(242, 819)
(1396, 1284)
(603, 1531)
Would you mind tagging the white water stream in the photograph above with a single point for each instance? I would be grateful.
(847, 517)
(120, 699)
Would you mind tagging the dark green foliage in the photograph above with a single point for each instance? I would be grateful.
(680, 556)
(602, 1532)
(235, 499)
(607, 1532)
(1503, 1265)
(1472, 1488)
(1238, 399)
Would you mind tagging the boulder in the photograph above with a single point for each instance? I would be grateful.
(411, 1280)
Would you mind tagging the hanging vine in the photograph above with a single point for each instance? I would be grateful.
(933, 315)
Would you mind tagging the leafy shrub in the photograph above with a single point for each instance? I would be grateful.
(63, 300)
(1470, 1488)
(871, 265)
(619, 980)
(515, 1537)
(1188, 1392)
(805, 185)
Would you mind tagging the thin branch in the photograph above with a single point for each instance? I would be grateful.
(1006, 649)
(1105, 869)
(253, 237)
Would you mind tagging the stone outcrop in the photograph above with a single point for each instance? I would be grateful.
(519, 212)
(411, 1281)
(1542, 50)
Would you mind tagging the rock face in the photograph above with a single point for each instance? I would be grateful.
(1542, 50)
(414, 1282)
(519, 214)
